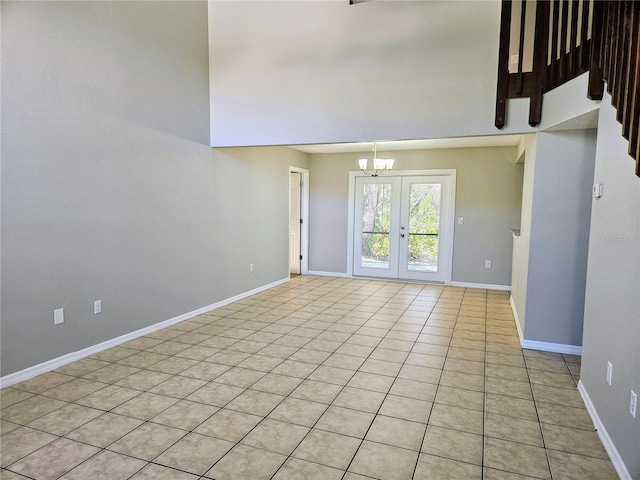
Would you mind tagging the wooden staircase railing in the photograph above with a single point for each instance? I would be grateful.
(570, 38)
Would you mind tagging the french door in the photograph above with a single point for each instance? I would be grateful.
(403, 227)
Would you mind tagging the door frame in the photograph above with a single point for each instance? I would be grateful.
(304, 215)
(452, 172)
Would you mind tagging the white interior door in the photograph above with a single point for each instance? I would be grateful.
(294, 223)
(403, 227)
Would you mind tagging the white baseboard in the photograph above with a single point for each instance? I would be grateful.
(49, 365)
(328, 274)
(487, 286)
(609, 446)
(542, 346)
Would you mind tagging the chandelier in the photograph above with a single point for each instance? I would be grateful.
(379, 164)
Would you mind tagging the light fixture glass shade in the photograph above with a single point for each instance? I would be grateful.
(379, 163)
(363, 163)
(388, 163)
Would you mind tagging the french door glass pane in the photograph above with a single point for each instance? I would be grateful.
(424, 226)
(376, 222)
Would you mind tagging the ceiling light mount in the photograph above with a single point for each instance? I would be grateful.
(379, 164)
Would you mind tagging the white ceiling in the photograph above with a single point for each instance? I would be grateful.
(461, 142)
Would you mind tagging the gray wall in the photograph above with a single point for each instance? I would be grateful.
(488, 195)
(560, 222)
(612, 307)
(109, 188)
(325, 71)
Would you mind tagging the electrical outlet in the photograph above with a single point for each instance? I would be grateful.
(487, 264)
(251, 267)
(97, 307)
(633, 403)
(58, 316)
(609, 373)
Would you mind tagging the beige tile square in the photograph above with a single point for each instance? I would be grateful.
(173, 365)
(43, 382)
(75, 389)
(551, 379)
(578, 467)
(277, 384)
(384, 461)
(11, 396)
(462, 380)
(105, 429)
(406, 408)
(216, 394)
(437, 468)
(255, 402)
(397, 432)
(295, 469)
(559, 396)
(511, 406)
(470, 399)
(28, 410)
(414, 389)
(6, 427)
(21, 442)
(327, 448)
(142, 359)
(143, 380)
(194, 453)
(145, 406)
(565, 416)
(276, 436)
(337, 376)
(301, 412)
(178, 386)
(499, 386)
(516, 458)
(425, 360)
(205, 371)
(294, 369)
(456, 418)
(573, 440)
(62, 421)
(513, 429)
(53, 460)
(228, 425)
(228, 357)
(240, 377)
(453, 444)
(387, 355)
(345, 421)
(247, 462)
(317, 391)
(344, 361)
(106, 466)
(185, 415)
(371, 381)
(159, 472)
(147, 441)
(358, 399)
(108, 398)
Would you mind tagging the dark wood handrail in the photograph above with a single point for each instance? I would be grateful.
(609, 50)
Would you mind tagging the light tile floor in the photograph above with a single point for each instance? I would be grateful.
(320, 378)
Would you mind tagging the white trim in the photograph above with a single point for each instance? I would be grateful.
(542, 346)
(607, 442)
(304, 214)
(517, 319)
(552, 347)
(49, 365)
(329, 274)
(487, 286)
